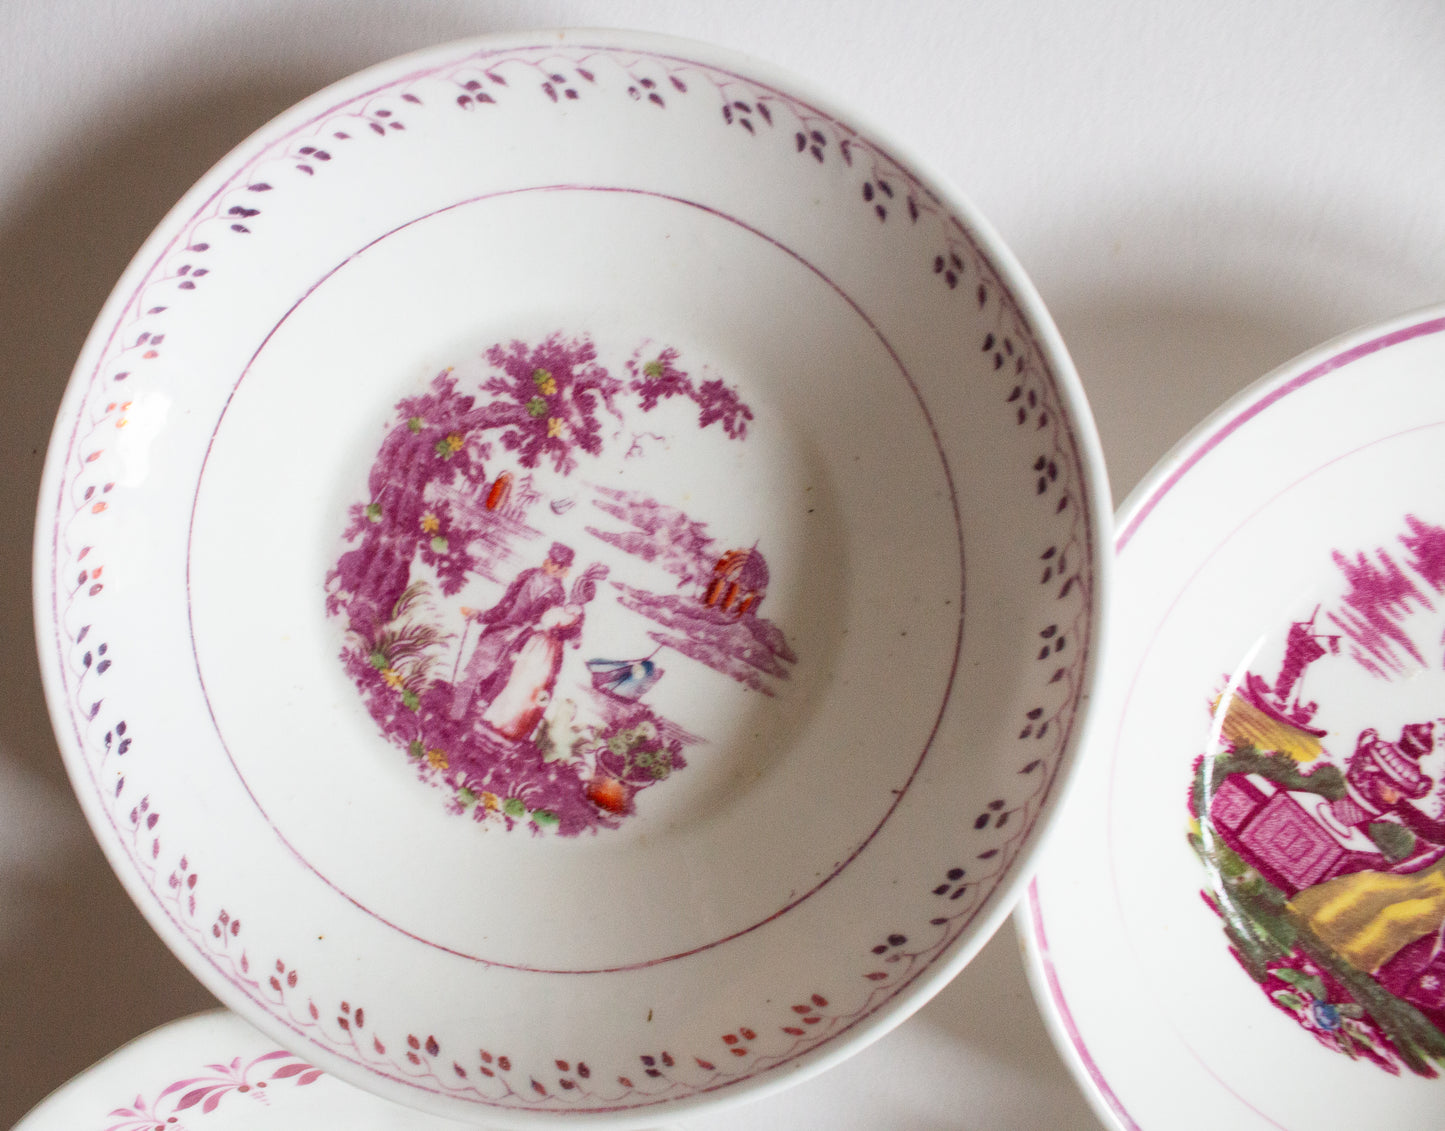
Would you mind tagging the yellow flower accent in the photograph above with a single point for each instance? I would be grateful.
(554, 427)
(430, 524)
(392, 677)
(545, 382)
(437, 757)
(491, 801)
(454, 441)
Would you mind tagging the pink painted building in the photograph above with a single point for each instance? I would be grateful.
(1290, 838)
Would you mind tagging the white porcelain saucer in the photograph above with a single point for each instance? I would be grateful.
(568, 579)
(214, 1072)
(1240, 922)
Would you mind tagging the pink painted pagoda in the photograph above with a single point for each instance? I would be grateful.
(1296, 838)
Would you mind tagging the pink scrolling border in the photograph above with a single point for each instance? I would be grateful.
(1037, 397)
(1264, 399)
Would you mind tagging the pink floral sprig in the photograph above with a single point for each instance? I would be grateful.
(205, 1093)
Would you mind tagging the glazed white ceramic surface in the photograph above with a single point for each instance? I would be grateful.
(1311, 500)
(699, 718)
(214, 1072)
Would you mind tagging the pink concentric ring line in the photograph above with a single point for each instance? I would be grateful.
(898, 794)
(1066, 1016)
(1265, 397)
(1245, 415)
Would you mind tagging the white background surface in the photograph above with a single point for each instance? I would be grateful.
(1200, 191)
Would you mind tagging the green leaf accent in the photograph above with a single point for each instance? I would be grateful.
(1395, 841)
(1230, 863)
(540, 377)
(466, 797)
(537, 407)
(1262, 930)
(1327, 781)
(658, 763)
(373, 512)
(443, 449)
(1416, 1037)
(1253, 954)
(513, 807)
(439, 544)
(1308, 983)
(414, 424)
(416, 749)
(379, 661)
(653, 369)
(408, 697)
(545, 818)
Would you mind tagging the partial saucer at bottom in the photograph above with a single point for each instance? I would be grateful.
(1241, 921)
(214, 1072)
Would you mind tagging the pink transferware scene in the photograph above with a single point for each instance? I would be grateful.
(516, 709)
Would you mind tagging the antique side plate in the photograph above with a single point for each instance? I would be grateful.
(1241, 921)
(568, 578)
(214, 1072)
